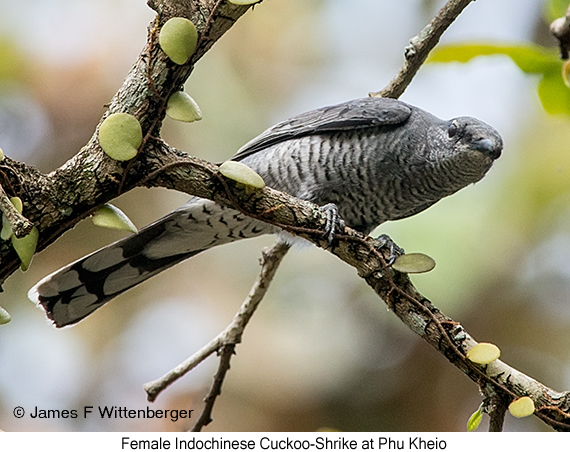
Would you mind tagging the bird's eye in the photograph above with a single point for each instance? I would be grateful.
(452, 130)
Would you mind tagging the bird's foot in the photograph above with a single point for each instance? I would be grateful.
(334, 222)
(393, 249)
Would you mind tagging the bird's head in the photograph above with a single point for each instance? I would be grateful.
(466, 146)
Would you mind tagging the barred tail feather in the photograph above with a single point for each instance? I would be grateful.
(75, 291)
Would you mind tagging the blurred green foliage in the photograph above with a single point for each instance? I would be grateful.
(12, 64)
(554, 9)
(529, 58)
(532, 59)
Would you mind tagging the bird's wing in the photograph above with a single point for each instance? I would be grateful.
(355, 114)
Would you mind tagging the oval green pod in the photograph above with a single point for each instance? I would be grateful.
(242, 173)
(26, 247)
(522, 407)
(244, 2)
(120, 136)
(483, 353)
(109, 216)
(17, 202)
(4, 316)
(414, 263)
(6, 231)
(178, 38)
(182, 107)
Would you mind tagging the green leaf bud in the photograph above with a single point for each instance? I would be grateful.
(474, 420)
(17, 202)
(120, 136)
(109, 216)
(483, 353)
(182, 107)
(26, 247)
(522, 407)
(4, 316)
(178, 38)
(244, 2)
(414, 263)
(241, 173)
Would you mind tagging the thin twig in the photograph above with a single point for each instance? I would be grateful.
(205, 418)
(420, 47)
(271, 258)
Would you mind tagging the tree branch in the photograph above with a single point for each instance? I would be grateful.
(560, 29)
(232, 334)
(420, 46)
(57, 201)
(496, 408)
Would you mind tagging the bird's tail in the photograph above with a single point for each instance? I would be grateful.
(75, 291)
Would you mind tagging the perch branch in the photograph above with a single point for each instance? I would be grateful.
(420, 46)
(232, 334)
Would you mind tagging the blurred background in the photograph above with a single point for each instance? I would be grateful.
(322, 351)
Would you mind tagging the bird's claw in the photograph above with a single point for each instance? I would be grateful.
(393, 249)
(334, 222)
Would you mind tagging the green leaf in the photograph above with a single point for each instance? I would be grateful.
(6, 231)
(554, 94)
(531, 59)
(553, 9)
(4, 316)
(414, 263)
(522, 407)
(120, 136)
(483, 353)
(109, 216)
(181, 107)
(17, 203)
(475, 420)
(178, 38)
(241, 173)
(26, 247)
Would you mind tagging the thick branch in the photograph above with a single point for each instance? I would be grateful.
(58, 201)
(420, 47)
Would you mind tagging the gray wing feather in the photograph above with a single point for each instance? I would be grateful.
(355, 114)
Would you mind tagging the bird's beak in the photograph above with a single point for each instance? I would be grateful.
(487, 147)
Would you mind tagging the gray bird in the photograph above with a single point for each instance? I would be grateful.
(374, 159)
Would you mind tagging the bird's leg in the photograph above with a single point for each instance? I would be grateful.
(334, 222)
(395, 250)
